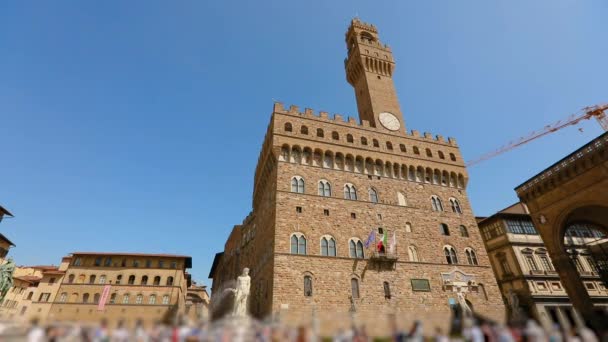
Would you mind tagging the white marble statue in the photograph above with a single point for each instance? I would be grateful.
(466, 309)
(241, 294)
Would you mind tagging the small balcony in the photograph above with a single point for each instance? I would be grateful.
(384, 260)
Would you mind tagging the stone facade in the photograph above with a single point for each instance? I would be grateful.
(523, 268)
(310, 167)
(572, 191)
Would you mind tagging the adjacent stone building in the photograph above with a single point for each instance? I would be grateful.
(523, 266)
(326, 192)
(570, 193)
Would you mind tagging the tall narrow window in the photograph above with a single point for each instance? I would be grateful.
(288, 127)
(412, 253)
(363, 141)
(307, 286)
(356, 248)
(450, 255)
(92, 279)
(328, 246)
(544, 260)
(335, 135)
(455, 206)
(401, 199)
(471, 257)
(349, 138)
(113, 298)
(402, 148)
(152, 299)
(144, 280)
(350, 192)
(169, 281)
(85, 298)
(63, 297)
(118, 279)
(373, 196)
(102, 279)
(96, 298)
(139, 299)
(531, 263)
(156, 281)
(166, 299)
(71, 279)
(131, 280)
(125, 298)
(320, 133)
(297, 185)
(463, 231)
(298, 244)
(304, 130)
(443, 228)
(436, 203)
(387, 290)
(354, 287)
(592, 264)
(324, 188)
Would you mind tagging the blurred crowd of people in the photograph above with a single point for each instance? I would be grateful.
(473, 330)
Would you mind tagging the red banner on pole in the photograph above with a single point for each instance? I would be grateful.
(104, 298)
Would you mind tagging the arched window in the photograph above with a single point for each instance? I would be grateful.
(297, 184)
(373, 195)
(452, 157)
(328, 246)
(463, 231)
(144, 280)
(350, 192)
(169, 281)
(156, 281)
(125, 298)
(152, 299)
(441, 155)
(304, 130)
(408, 227)
(113, 298)
(387, 290)
(412, 253)
(429, 153)
(166, 299)
(298, 244)
(74, 297)
(416, 150)
(354, 287)
(85, 298)
(63, 297)
(288, 127)
(307, 286)
(96, 298)
(436, 203)
(320, 133)
(335, 135)
(356, 248)
(324, 188)
(401, 199)
(389, 146)
(102, 279)
(402, 148)
(118, 279)
(71, 279)
(364, 141)
(455, 206)
(131, 280)
(375, 142)
(471, 257)
(349, 138)
(443, 228)
(81, 278)
(92, 279)
(450, 255)
(139, 299)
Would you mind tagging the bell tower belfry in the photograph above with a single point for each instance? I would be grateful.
(369, 69)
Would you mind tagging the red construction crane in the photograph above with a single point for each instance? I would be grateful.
(586, 113)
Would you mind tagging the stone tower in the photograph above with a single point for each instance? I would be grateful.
(328, 188)
(369, 69)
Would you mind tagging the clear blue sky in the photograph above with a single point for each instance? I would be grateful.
(136, 125)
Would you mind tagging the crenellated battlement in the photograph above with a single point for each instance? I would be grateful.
(340, 119)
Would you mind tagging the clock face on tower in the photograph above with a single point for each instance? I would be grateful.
(389, 121)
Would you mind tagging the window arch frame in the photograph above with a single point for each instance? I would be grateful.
(324, 188)
(351, 190)
(308, 285)
(412, 253)
(450, 255)
(436, 203)
(297, 183)
(335, 135)
(299, 238)
(373, 195)
(329, 241)
(320, 133)
(455, 204)
(464, 232)
(350, 138)
(471, 256)
(304, 129)
(444, 229)
(356, 245)
(288, 127)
